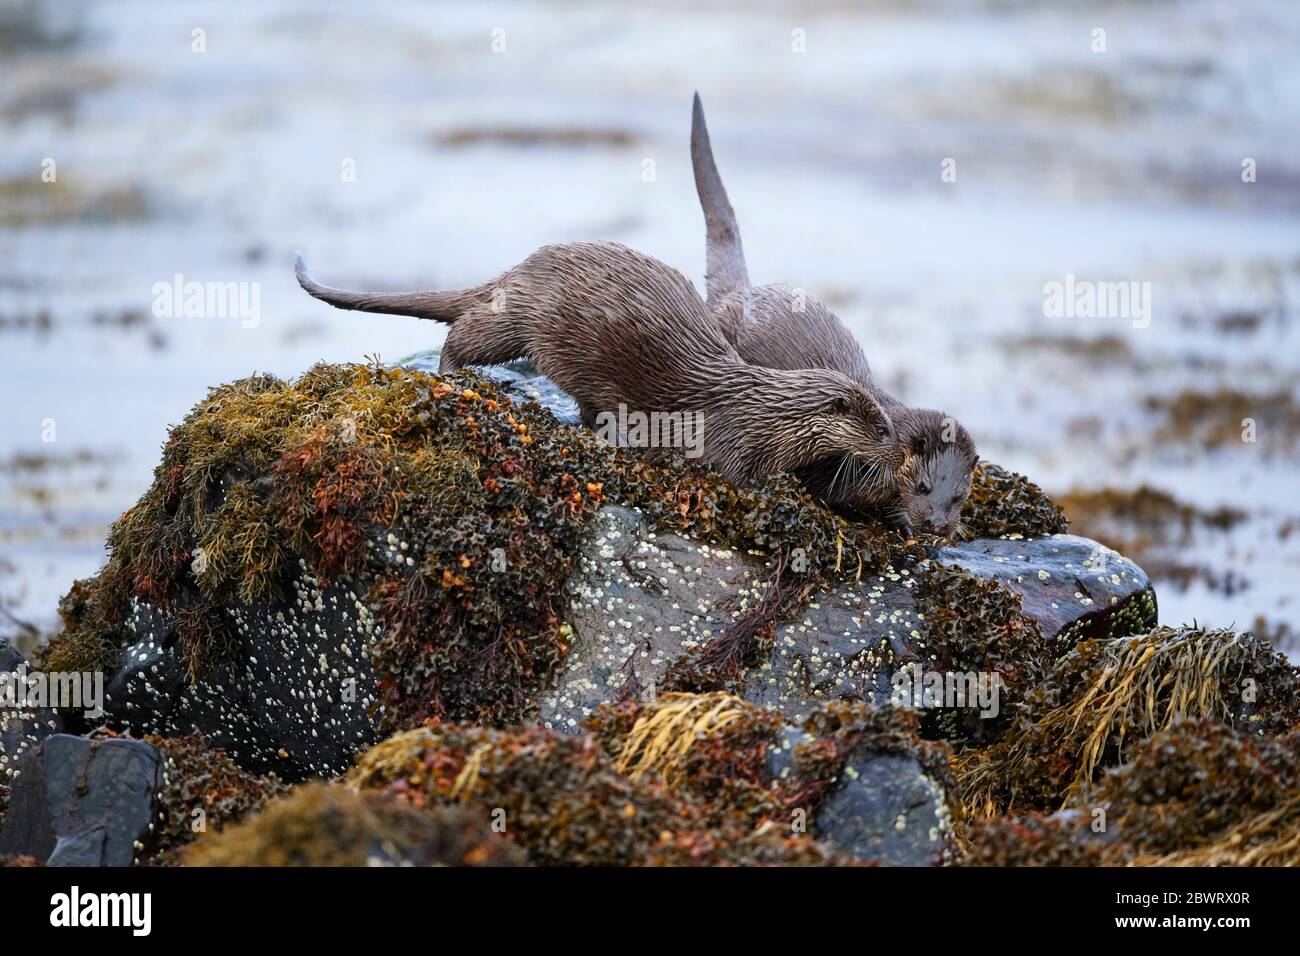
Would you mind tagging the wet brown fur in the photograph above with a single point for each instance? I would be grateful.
(613, 327)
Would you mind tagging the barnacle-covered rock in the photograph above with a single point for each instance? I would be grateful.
(293, 696)
(21, 728)
(643, 605)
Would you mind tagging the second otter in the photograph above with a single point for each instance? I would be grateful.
(618, 329)
(766, 329)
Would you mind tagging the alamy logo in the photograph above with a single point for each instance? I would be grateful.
(70, 690)
(922, 689)
(75, 908)
(634, 429)
(1084, 299)
(179, 299)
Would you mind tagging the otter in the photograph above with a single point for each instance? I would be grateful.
(619, 330)
(770, 326)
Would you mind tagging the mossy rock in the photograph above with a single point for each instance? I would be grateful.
(365, 549)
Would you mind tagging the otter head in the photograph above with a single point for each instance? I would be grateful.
(848, 421)
(935, 480)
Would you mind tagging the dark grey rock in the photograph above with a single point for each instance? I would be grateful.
(83, 802)
(10, 657)
(83, 848)
(883, 807)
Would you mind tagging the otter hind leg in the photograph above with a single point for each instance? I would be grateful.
(483, 336)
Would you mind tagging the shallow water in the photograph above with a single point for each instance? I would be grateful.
(1116, 165)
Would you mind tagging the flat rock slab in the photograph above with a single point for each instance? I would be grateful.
(82, 802)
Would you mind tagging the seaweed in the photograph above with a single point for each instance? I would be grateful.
(562, 799)
(1106, 697)
(200, 783)
(713, 747)
(974, 625)
(1003, 503)
(321, 824)
(1194, 793)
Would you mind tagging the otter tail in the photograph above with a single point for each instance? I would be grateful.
(440, 306)
(725, 259)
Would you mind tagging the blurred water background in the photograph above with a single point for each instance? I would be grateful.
(411, 144)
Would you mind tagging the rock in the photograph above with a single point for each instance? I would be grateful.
(639, 600)
(296, 703)
(82, 802)
(887, 810)
(20, 728)
(1071, 586)
(520, 377)
(83, 848)
(508, 579)
(849, 640)
(10, 657)
(883, 807)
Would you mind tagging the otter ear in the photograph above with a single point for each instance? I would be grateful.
(920, 445)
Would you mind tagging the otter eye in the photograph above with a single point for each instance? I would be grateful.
(924, 487)
(882, 430)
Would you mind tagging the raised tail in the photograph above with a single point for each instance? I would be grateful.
(724, 257)
(439, 306)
